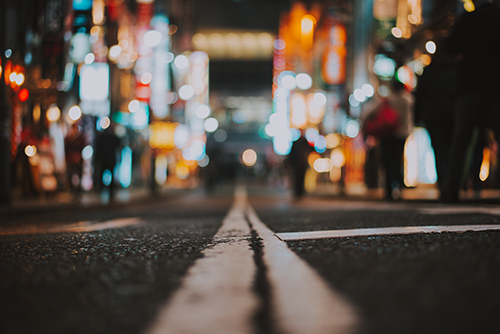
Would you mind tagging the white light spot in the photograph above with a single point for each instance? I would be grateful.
(134, 106)
(304, 81)
(74, 113)
(203, 111)
(114, 52)
(89, 58)
(146, 78)
(211, 124)
(352, 129)
(186, 92)
(320, 99)
(368, 90)
(30, 150)
(430, 46)
(152, 38)
(396, 32)
(181, 62)
(87, 152)
(288, 81)
(359, 95)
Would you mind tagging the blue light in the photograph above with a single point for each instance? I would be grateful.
(125, 171)
(107, 177)
(82, 4)
(320, 144)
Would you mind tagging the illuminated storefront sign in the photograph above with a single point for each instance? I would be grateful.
(334, 56)
(94, 89)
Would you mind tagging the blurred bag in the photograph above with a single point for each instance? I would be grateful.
(383, 122)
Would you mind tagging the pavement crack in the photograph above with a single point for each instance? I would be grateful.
(263, 320)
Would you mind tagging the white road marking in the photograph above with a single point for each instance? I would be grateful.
(289, 236)
(85, 226)
(461, 210)
(302, 301)
(216, 294)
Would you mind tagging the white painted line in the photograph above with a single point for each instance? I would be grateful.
(289, 236)
(301, 300)
(216, 295)
(461, 210)
(85, 226)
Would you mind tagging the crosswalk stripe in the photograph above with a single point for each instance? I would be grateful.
(216, 294)
(301, 299)
(290, 236)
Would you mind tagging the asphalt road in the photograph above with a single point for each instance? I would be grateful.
(118, 280)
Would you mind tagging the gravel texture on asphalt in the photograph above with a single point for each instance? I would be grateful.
(419, 283)
(111, 281)
(437, 283)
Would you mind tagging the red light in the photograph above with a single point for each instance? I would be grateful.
(23, 95)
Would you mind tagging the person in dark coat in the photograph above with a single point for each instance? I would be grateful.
(476, 38)
(106, 151)
(298, 164)
(435, 99)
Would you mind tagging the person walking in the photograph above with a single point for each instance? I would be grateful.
(298, 165)
(476, 38)
(106, 151)
(393, 146)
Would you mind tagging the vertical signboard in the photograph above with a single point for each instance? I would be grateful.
(333, 68)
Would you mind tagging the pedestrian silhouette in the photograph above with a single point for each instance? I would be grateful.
(106, 152)
(298, 164)
(393, 146)
(435, 99)
(476, 38)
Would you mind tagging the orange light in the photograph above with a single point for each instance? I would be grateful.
(23, 95)
(307, 25)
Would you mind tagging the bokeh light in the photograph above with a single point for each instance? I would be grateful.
(74, 113)
(186, 92)
(54, 113)
(249, 157)
(30, 150)
(304, 81)
(211, 124)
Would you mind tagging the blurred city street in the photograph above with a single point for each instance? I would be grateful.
(249, 166)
